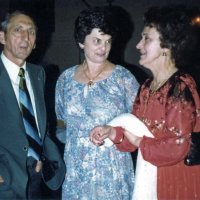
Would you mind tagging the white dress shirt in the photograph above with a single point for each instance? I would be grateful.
(13, 71)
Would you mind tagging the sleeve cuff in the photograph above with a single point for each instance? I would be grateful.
(119, 135)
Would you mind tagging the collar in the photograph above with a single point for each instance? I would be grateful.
(11, 68)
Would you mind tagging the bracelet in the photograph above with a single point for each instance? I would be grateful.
(119, 135)
(121, 140)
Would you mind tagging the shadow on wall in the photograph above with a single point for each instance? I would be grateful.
(52, 74)
(193, 57)
(125, 26)
(122, 21)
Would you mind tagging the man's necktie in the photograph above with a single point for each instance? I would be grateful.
(35, 145)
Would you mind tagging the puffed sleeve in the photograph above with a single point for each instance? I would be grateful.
(181, 117)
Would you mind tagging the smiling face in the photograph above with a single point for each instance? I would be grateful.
(149, 46)
(97, 46)
(19, 38)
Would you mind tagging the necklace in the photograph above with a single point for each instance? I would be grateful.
(155, 86)
(91, 80)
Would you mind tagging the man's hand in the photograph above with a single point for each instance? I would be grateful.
(1, 179)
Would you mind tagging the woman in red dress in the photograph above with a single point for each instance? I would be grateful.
(168, 104)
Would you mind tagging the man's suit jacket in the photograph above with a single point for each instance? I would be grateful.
(13, 141)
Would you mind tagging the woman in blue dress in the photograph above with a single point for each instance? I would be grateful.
(87, 95)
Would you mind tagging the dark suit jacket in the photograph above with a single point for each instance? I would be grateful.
(13, 141)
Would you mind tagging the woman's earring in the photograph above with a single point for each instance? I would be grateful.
(164, 53)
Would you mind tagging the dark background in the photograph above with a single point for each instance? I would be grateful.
(56, 49)
(55, 19)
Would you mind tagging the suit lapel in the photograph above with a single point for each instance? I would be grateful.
(8, 99)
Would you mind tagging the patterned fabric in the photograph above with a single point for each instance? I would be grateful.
(95, 173)
(171, 113)
(35, 149)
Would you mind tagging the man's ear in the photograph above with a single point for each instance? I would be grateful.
(81, 45)
(2, 37)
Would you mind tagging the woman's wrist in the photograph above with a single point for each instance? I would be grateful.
(138, 140)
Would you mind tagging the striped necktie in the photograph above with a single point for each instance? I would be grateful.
(35, 145)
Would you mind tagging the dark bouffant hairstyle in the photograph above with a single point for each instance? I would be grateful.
(177, 33)
(96, 17)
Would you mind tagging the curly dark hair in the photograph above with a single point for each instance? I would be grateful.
(96, 17)
(177, 33)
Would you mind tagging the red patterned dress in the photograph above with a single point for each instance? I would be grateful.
(170, 113)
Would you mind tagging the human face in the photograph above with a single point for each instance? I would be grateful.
(97, 46)
(149, 46)
(19, 39)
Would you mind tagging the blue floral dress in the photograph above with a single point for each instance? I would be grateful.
(95, 173)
